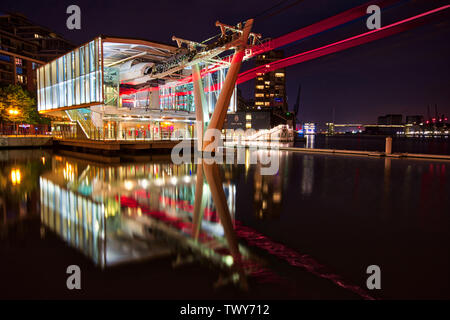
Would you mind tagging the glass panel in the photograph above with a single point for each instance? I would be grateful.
(74, 79)
(38, 89)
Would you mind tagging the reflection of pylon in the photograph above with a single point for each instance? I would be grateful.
(214, 180)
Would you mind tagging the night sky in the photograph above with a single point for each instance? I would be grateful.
(400, 74)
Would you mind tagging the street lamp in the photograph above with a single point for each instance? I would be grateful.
(14, 113)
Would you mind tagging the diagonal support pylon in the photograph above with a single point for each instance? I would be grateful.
(201, 115)
(220, 110)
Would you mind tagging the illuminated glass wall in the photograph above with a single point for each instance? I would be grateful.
(73, 79)
(181, 97)
(111, 79)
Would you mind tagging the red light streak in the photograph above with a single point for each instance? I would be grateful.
(302, 33)
(296, 259)
(338, 46)
(370, 36)
(318, 27)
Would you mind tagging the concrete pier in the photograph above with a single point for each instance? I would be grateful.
(113, 146)
(25, 141)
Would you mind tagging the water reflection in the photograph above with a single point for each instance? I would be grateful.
(19, 185)
(310, 139)
(133, 212)
(308, 175)
(244, 226)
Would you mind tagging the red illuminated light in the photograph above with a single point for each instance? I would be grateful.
(351, 42)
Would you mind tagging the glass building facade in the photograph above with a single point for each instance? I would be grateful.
(106, 92)
(71, 80)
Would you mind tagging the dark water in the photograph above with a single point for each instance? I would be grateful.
(427, 145)
(308, 232)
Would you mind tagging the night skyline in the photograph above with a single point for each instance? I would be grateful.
(400, 74)
(158, 151)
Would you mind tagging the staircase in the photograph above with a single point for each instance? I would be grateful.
(86, 125)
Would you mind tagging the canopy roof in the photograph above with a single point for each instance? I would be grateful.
(117, 50)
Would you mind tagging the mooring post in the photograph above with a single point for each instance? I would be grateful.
(388, 148)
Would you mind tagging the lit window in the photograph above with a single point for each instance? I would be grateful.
(259, 103)
(259, 95)
(267, 82)
(248, 117)
(18, 61)
(259, 87)
(260, 78)
(248, 125)
(267, 104)
(279, 74)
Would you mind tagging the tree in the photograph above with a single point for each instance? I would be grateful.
(18, 105)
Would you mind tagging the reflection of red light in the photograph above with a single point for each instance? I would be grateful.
(428, 121)
(446, 119)
(434, 119)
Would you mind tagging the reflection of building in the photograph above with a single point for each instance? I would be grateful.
(270, 88)
(122, 213)
(107, 89)
(76, 218)
(307, 175)
(268, 191)
(23, 48)
(19, 187)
